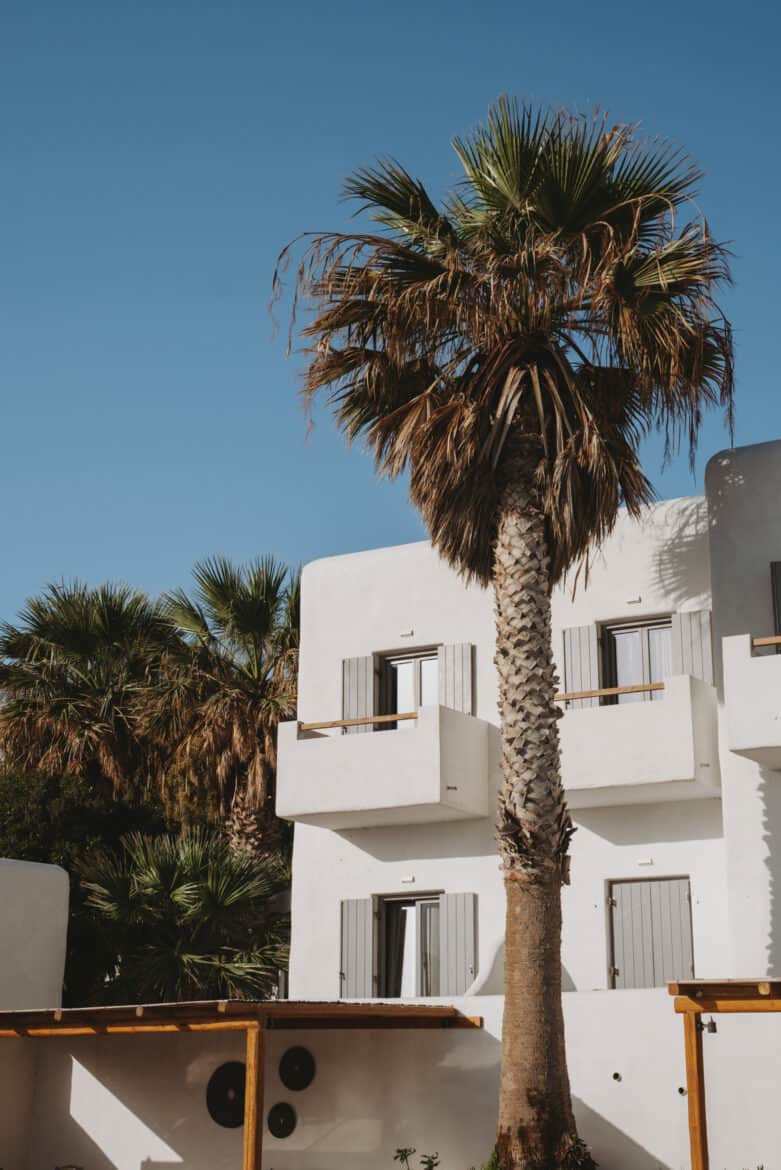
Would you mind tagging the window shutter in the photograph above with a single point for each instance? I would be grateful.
(358, 691)
(775, 583)
(581, 663)
(457, 942)
(455, 677)
(692, 651)
(652, 932)
(356, 974)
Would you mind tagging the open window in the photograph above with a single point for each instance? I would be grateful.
(635, 655)
(409, 946)
(408, 682)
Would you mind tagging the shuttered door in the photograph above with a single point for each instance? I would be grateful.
(356, 974)
(775, 584)
(358, 688)
(692, 648)
(651, 932)
(457, 942)
(581, 663)
(455, 677)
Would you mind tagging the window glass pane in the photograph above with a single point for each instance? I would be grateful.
(405, 686)
(429, 682)
(660, 656)
(628, 651)
(409, 964)
(429, 947)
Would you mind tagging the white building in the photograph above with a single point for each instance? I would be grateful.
(675, 787)
(675, 791)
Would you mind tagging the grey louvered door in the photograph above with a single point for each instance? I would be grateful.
(455, 676)
(581, 663)
(692, 648)
(651, 932)
(358, 690)
(356, 972)
(457, 942)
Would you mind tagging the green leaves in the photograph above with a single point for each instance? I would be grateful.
(186, 918)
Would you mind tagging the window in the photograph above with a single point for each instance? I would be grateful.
(650, 932)
(636, 654)
(407, 682)
(409, 946)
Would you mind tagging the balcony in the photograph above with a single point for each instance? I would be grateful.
(432, 767)
(752, 695)
(642, 751)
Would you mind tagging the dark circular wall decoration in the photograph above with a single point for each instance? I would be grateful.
(281, 1120)
(297, 1069)
(225, 1094)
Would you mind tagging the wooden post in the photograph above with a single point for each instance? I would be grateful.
(253, 1097)
(695, 1087)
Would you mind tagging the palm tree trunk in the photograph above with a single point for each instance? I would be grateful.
(536, 1128)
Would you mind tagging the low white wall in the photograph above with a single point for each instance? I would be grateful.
(121, 1103)
(34, 928)
(17, 1079)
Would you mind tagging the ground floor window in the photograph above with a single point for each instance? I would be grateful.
(409, 946)
(651, 941)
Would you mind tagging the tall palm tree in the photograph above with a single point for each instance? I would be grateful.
(74, 670)
(216, 711)
(509, 349)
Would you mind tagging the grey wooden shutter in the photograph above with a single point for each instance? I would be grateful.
(652, 932)
(457, 942)
(581, 663)
(356, 972)
(455, 677)
(358, 691)
(775, 584)
(692, 649)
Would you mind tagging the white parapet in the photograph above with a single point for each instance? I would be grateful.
(643, 751)
(435, 768)
(752, 697)
(34, 928)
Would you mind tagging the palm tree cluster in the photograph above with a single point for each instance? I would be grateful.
(178, 697)
(508, 349)
(185, 918)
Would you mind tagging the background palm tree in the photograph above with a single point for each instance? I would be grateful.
(509, 349)
(185, 918)
(216, 712)
(75, 670)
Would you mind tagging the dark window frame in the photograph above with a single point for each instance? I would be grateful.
(608, 664)
(382, 903)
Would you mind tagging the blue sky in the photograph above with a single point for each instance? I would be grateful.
(156, 156)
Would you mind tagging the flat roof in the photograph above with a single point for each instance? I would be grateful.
(226, 1015)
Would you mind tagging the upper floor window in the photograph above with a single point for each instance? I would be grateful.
(634, 655)
(407, 682)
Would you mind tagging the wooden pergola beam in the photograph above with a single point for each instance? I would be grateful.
(254, 1085)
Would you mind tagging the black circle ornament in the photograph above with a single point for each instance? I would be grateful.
(297, 1069)
(281, 1120)
(225, 1094)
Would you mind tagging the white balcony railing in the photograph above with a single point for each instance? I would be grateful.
(642, 751)
(433, 768)
(752, 697)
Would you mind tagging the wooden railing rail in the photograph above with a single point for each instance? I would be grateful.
(362, 722)
(636, 689)
(774, 641)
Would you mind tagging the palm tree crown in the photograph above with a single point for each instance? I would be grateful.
(559, 298)
(220, 700)
(74, 670)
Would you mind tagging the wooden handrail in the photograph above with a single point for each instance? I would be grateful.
(362, 722)
(635, 689)
(774, 641)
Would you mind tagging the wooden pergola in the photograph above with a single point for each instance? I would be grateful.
(693, 999)
(254, 1018)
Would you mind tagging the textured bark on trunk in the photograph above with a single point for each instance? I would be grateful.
(536, 1128)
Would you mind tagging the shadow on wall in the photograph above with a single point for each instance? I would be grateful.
(682, 564)
(373, 1092)
(685, 820)
(491, 982)
(472, 838)
(770, 795)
